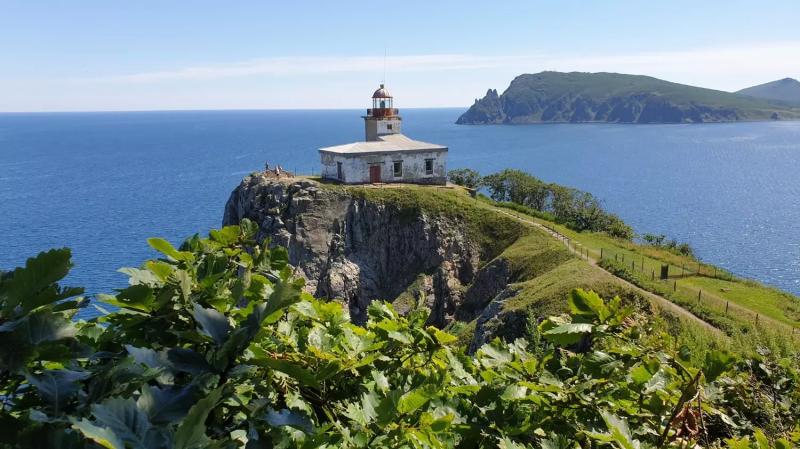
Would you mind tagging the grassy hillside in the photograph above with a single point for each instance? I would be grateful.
(544, 271)
(615, 97)
(786, 90)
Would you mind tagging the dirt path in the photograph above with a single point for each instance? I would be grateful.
(658, 300)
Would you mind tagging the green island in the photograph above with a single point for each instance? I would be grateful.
(219, 343)
(579, 97)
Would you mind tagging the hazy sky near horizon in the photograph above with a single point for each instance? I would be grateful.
(97, 55)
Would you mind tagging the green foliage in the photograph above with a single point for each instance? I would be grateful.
(216, 345)
(465, 177)
(574, 208)
(660, 241)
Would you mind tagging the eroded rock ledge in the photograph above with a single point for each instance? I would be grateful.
(356, 250)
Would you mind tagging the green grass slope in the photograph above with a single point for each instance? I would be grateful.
(543, 271)
(785, 90)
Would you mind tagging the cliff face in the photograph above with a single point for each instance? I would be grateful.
(615, 98)
(358, 250)
(480, 270)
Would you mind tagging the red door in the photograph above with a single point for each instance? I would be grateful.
(374, 174)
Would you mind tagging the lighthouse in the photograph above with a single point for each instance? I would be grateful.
(386, 155)
(382, 119)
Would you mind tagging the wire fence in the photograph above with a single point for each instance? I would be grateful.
(648, 275)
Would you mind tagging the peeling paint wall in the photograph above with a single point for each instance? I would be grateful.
(376, 128)
(355, 167)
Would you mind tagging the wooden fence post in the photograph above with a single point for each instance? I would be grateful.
(699, 294)
(633, 266)
(756, 319)
(642, 263)
(653, 275)
(675, 286)
(726, 307)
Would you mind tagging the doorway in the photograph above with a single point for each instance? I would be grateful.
(374, 174)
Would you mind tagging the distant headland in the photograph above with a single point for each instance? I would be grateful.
(577, 97)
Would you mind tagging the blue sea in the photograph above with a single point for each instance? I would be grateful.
(102, 183)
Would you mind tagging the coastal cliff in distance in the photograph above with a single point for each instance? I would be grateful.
(576, 97)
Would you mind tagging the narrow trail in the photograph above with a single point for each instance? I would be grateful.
(659, 300)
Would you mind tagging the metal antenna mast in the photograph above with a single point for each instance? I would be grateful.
(384, 65)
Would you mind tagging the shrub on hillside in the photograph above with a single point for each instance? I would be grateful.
(465, 177)
(660, 241)
(575, 208)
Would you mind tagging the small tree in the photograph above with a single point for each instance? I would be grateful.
(466, 177)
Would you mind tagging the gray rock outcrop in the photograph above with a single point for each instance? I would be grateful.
(357, 250)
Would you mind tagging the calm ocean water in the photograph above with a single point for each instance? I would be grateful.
(101, 183)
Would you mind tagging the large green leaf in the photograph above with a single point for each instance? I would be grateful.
(139, 276)
(57, 387)
(137, 297)
(45, 326)
(415, 399)
(586, 303)
(124, 418)
(226, 236)
(166, 405)
(567, 334)
(186, 360)
(716, 363)
(620, 433)
(33, 285)
(102, 436)
(191, 433)
(212, 323)
(156, 360)
(166, 248)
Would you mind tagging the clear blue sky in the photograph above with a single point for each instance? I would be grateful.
(137, 55)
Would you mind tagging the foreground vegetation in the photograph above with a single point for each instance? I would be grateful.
(216, 345)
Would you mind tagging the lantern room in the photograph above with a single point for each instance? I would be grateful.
(382, 104)
(381, 99)
(382, 119)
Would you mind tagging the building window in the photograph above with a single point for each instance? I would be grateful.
(428, 166)
(339, 171)
(398, 169)
(389, 126)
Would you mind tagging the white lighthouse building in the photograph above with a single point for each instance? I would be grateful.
(386, 155)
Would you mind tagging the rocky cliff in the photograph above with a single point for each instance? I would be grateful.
(358, 250)
(474, 268)
(616, 98)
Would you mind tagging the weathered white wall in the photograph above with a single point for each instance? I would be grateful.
(355, 168)
(376, 128)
